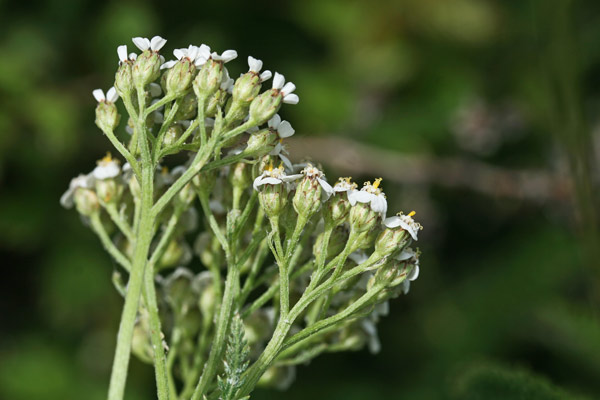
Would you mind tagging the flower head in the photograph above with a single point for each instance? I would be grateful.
(344, 185)
(154, 44)
(123, 56)
(107, 168)
(286, 89)
(110, 97)
(274, 176)
(371, 194)
(255, 66)
(191, 54)
(406, 222)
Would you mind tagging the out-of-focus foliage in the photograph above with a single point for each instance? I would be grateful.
(506, 303)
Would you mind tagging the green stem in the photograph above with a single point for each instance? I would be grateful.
(121, 223)
(108, 243)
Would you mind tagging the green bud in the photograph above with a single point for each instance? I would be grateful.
(180, 76)
(239, 175)
(265, 106)
(390, 240)
(307, 199)
(337, 242)
(141, 345)
(366, 238)
(272, 199)
(261, 142)
(177, 253)
(86, 202)
(215, 102)
(146, 68)
(208, 79)
(188, 108)
(107, 116)
(172, 134)
(124, 79)
(362, 218)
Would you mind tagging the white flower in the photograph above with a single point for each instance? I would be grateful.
(205, 55)
(410, 258)
(192, 53)
(315, 173)
(81, 181)
(110, 97)
(274, 176)
(154, 44)
(255, 66)
(406, 222)
(122, 53)
(344, 185)
(226, 82)
(283, 129)
(372, 195)
(107, 168)
(358, 257)
(286, 89)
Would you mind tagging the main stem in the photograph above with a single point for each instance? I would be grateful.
(144, 237)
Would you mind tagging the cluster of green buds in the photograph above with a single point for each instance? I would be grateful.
(241, 264)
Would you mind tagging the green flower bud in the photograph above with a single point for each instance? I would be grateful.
(261, 142)
(178, 252)
(124, 79)
(337, 242)
(180, 76)
(215, 102)
(336, 210)
(390, 240)
(272, 199)
(109, 190)
(146, 68)
(141, 345)
(172, 134)
(265, 106)
(107, 115)
(239, 175)
(86, 201)
(188, 108)
(362, 218)
(209, 78)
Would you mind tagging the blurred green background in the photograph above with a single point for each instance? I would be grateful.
(481, 115)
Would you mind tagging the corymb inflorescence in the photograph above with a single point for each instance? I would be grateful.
(235, 264)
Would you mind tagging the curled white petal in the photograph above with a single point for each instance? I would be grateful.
(254, 64)
(106, 170)
(179, 53)
(379, 204)
(392, 222)
(290, 178)
(274, 122)
(286, 161)
(414, 273)
(326, 186)
(168, 64)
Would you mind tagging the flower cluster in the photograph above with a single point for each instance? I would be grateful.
(212, 221)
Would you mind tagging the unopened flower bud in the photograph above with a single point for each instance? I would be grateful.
(188, 108)
(107, 116)
(86, 201)
(390, 240)
(108, 190)
(180, 76)
(141, 345)
(215, 102)
(362, 218)
(146, 68)
(172, 134)
(208, 79)
(336, 244)
(261, 142)
(265, 106)
(309, 192)
(124, 79)
(177, 252)
(272, 199)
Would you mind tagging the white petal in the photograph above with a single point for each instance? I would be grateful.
(99, 95)
(168, 64)
(229, 55)
(141, 43)
(285, 130)
(107, 171)
(111, 95)
(406, 254)
(132, 56)
(288, 88)
(254, 64)
(66, 200)
(204, 51)
(274, 122)
(286, 162)
(193, 52)
(361, 197)
(257, 182)
(352, 197)
(405, 286)
(154, 89)
(379, 204)
(358, 257)
(291, 99)
(326, 186)
(278, 81)
(392, 222)
(290, 178)
(265, 75)
(414, 273)
(157, 43)
(122, 52)
(180, 53)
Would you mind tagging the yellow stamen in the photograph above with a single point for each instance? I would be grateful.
(412, 213)
(377, 182)
(270, 166)
(165, 170)
(107, 158)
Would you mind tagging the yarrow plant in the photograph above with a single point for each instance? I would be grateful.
(239, 265)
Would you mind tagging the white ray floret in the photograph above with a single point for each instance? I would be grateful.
(154, 44)
(286, 89)
(274, 176)
(110, 97)
(406, 222)
(255, 65)
(107, 168)
(205, 55)
(370, 194)
(315, 173)
(81, 181)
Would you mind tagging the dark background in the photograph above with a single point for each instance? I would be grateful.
(481, 115)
